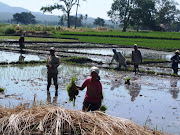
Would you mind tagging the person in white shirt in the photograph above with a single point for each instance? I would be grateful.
(119, 58)
(52, 71)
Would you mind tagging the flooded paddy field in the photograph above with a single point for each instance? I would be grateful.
(14, 57)
(153, 101)
(98, 53)
(149, 100)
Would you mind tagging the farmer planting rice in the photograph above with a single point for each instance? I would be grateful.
(119, 58)
(175, 61)
(93, 97)
(136, 58)
(52, 71)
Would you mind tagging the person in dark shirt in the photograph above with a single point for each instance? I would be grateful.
(175, 61)
(21, 43)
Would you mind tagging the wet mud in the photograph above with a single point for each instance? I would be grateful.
(149, 100)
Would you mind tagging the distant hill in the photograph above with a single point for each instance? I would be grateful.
(7, 12)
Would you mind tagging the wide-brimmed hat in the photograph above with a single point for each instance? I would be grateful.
(95, 69)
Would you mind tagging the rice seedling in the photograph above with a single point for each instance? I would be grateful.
(103, 108)
(72, 90)
(2, 89)
(127, 80)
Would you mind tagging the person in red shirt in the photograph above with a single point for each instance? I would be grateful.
(93, 97)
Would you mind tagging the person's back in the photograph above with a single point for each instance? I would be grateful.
(121, 58)
(118, 57)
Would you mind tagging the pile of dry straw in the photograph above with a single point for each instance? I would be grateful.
(55, 120)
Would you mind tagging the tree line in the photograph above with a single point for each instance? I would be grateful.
(153, 15)
(147, 14)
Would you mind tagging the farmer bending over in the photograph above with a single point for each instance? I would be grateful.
(52, 71)
(118, 57)
(136, 58)
(175, 61)
(93, 97)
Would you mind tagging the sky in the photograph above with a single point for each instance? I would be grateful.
(93, 8)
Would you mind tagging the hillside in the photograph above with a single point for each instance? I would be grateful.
(6, 13)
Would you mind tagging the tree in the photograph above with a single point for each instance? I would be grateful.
(78, 21)
(85, 17)
(167, 12)
(121, 10)
(142, 14)
(76, 12)
(68, 4)
(24, 18)
(62, 20)
(99, 21)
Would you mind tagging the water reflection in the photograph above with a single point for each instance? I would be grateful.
(116, 83)
(134, 89)
(21, 57)
(174, 90)
(54, 102)
(14, 57)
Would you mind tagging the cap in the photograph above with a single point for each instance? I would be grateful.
(52, 49)
(177, 51)
(135, 44)
(95, 69)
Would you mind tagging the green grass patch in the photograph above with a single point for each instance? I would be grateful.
(156, 44)
(75, 60)
(35, 39)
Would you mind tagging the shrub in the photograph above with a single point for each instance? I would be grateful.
(9, 30)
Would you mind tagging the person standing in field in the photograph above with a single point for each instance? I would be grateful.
(136, 58)
(175, 60)
(21, 43)
(119, 58)
(93, 97)
(52, 69)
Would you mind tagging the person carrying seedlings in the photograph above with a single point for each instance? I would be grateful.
(136, 58)
(21, 43)
(175, 60)
(93, 97)
(119, 58)
(52, 71)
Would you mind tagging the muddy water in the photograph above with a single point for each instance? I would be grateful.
(146, 53)
(148, 100)
(14, 57)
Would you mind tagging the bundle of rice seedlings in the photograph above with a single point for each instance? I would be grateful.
(2, 89)
(72, 90)
(127, 80)
(56, 120)
(103, 108)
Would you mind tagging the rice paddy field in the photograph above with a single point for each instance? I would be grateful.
(151, 99)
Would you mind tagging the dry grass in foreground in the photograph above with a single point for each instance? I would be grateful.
(55, 120)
